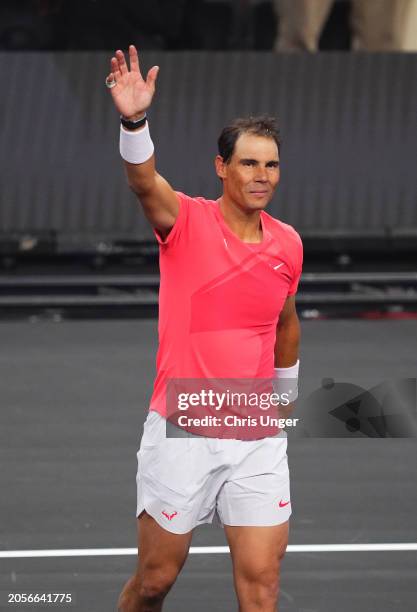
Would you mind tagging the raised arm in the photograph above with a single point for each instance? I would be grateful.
(132, 96)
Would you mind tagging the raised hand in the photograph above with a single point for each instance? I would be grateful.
(132, 95)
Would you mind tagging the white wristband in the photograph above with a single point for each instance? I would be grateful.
(286, 381)
(136, 147)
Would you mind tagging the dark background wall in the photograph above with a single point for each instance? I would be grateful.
(153, 24)
(348, 123)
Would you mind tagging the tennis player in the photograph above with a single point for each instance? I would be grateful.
(229, 274)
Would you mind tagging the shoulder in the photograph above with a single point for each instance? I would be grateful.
(283, 231)
(196, 208)
(194, 213)
(195, 202)
(288, 238)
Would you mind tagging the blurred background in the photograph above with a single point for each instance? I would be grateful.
(339, 75)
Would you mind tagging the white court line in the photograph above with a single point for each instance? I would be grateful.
(203, 550)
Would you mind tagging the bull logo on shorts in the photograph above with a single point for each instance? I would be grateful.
(169, 516)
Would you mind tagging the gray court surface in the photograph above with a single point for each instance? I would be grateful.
(73, 399)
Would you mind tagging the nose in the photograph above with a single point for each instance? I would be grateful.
(261, 175)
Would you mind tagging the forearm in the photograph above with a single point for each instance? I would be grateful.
(137, 151)
(141, 177)
(158, 199)
(287, 343)
(286, 355)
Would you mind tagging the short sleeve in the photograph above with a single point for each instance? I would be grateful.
(298, 265)
(180, 221)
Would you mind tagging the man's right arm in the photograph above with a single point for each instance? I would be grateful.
(132, 96)
(159, 201)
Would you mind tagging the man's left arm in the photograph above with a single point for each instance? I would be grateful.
(287, 336)
(286, 346)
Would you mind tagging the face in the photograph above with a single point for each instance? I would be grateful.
(252, 174)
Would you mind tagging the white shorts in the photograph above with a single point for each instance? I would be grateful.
(188, 481)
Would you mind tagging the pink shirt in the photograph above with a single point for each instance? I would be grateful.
(220, 298)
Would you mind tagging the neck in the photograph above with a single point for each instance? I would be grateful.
(245, 224)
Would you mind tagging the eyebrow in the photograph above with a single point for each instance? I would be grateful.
(246, 160)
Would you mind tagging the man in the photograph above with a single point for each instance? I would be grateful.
(229, 274)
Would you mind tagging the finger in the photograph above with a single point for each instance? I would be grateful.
(152, 76)
(120, 56)
(111, 81)
(114, 67)
(134, 59)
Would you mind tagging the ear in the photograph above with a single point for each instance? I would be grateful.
(221, 167)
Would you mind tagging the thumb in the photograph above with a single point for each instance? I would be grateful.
(152, 75)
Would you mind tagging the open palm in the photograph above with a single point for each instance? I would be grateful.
(132, 95)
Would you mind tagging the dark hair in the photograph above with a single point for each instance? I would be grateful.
(259, 126)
